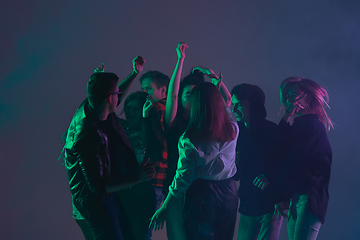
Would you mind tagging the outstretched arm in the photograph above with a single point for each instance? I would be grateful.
(124, 85)
(173, 89)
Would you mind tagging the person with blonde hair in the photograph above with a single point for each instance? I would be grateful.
(306, 157)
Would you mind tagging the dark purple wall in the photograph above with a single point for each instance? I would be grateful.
(50, 48)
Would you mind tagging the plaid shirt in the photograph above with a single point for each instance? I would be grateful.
(162, 158)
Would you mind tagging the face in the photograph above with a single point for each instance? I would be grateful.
(293, 94)
(241, 108)
(133, 114)
(149, 86)
(185, 97)
(114, 100)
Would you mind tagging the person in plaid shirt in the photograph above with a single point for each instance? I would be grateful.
(155, 84)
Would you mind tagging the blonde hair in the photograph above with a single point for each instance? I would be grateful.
(320, 97)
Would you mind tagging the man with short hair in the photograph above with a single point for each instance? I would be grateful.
(155, 84)
(98, 157)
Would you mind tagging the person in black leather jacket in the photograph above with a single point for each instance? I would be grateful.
(98, 156)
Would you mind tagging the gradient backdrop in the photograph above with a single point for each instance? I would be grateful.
(50, 48)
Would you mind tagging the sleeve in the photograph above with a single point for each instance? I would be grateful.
(185, 171)
(87, 152)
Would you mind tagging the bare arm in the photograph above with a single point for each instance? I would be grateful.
(124, 85)
(173, 89)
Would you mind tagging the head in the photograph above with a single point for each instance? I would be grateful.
(155, 84)
(313, 102)
(186, 85)
(248, 103)
(208, 120)
(133, 106)
(101, 88)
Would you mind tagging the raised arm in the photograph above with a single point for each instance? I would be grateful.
(217, 81)
(124, 85)
(173, 89)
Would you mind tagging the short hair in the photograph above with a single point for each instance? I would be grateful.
(208, 119)
(157, 77)
(319, 95)
(256, 98)
(99, 86)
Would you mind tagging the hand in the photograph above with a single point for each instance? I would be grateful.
(138, 64)
(208, 72)
(100, 68)
(146, 171)
(180, 49)
(147, 106)
(292, 104)
(159, 218)
(261, 181)
(280, 209)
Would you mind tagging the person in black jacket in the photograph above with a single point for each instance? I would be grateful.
(307, 156)
(98, 156)
(253, 156)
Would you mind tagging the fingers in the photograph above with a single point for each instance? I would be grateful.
(145, 162)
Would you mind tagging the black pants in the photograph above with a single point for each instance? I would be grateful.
(103, 221)
(210, 210)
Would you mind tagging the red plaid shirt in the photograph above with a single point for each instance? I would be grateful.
(160, 168)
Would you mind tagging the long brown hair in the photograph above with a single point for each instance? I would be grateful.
(208, 120)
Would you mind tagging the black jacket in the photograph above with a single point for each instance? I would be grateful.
(307, 155)
(94, 152)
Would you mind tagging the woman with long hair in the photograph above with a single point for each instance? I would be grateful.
(307, 156)
(176, 120)
(205, 169)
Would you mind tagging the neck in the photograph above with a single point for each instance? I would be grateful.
(101, 113)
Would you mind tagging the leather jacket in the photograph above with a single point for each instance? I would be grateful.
(88, 161)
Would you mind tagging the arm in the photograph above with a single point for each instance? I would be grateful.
(124, 85)
(145, 173)
(160, 215)
(173, 89)
(217, 81)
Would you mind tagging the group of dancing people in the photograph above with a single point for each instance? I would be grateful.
(184, 144)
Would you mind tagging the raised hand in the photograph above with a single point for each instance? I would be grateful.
(180, 49)
(147, 106)
(100, 68)
(138, 64)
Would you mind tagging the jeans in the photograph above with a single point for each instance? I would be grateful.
(264, 227)
(302, 224)
(159, 199)
(104, 224)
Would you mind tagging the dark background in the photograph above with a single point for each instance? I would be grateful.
(50, 48)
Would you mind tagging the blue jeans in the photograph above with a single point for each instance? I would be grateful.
(159, 199)
(302, 224)
(264, 227)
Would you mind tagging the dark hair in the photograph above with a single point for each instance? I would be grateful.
(99, 86)
(194, 78)
(256, 98)
(157, 77)
(208, 119)
(140, 96)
